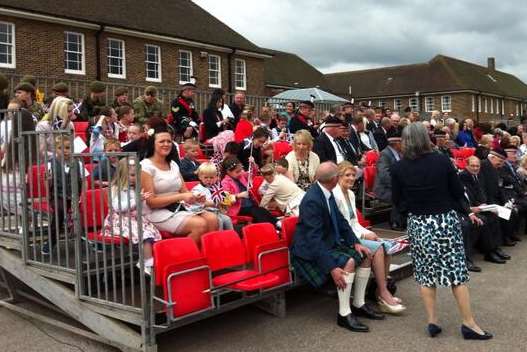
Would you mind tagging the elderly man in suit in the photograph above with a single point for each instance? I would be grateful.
(324, 245)
(380, 134)
(383, 182)
(326, 145)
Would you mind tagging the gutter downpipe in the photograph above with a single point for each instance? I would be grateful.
(98, 52)
(229, 69)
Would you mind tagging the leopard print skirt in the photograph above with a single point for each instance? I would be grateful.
(436, 244)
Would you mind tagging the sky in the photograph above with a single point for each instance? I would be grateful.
(343, 35)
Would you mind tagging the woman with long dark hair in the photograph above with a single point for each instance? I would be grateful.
(171, 207)
(212, 117)
(426, 184)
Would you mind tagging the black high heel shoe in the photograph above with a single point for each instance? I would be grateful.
(434, 330)
(469, 334)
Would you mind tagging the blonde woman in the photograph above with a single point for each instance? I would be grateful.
(345, 199)
(59, 117)
(303, 163)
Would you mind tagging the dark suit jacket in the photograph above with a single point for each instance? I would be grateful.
(236, 112)
(490, 181)
(324, 149)
(210, 118)
(473, 188)
(349, 152)
(188, 169)
(314, 235)
(383, 181)
(380, 138)
(357, 143)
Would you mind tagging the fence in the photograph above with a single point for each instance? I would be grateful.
(78, 89)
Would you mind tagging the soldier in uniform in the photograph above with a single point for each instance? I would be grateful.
(24, 94)
(34, 106)
(95, 99)
(185, 119)
(147, 106)
(121, 97)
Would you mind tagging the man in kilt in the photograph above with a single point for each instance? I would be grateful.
(324, 245)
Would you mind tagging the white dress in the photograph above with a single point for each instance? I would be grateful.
(169, 181)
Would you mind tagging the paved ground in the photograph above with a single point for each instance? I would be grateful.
(498, 299)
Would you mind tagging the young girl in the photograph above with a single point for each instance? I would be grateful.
(122, 219)
(235, 182)
(213, 192)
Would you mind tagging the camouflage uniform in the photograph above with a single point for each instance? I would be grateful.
(143, 111)
(37, 110)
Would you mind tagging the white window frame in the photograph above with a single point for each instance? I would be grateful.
(473, 103)
(414, 107)
(486, 104)
(443, 109)
(218, 72)
(397, 104)
(517, 109)
(244, 65)
(498, 106)
(13, 46)
(479, 103)
(503, 106)
(429, 107)
(82, 71)
(381, 103)
(492, 105)
(191, 67)
(158, 63)
(123, 58)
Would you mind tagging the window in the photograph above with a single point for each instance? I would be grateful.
(116, 59)
(185, 66)
(153, 63)
(479, 103)
(486, 105)
(240, 78)
(413, 103)
(473, 103)
(497, 106)
(517, 109)
(503, 106)
(7, 45)
(214, 71)
(446, 103)
(381, 103)
(74, 61)
(429, 104)
(397, 105)
(492, 105)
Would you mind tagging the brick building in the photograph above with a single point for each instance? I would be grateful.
(157, 42)
(446, 84)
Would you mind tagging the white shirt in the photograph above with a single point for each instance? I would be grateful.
(338, 153)
(327, 194)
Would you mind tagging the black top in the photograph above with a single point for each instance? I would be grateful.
(210, 118)
(428, 185)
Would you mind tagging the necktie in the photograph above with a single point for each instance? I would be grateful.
(333, 210)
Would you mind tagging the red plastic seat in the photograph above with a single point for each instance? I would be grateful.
(184, 275)
(257, 182)
(224, 250)
(369, 173)
(281, 149)
(37, 181)
(191, 184)
(362, 220)
(93, 210)
(81, 130)
(288, 229)
(371, 157)
(266, 252)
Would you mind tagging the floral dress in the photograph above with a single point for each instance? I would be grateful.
(303, 175)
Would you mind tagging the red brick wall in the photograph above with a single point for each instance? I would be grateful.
(39, 51)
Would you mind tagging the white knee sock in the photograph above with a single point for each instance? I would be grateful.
(344, 295)
(362, 276)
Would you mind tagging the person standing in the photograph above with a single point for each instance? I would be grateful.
(96, 98)
(427, 183)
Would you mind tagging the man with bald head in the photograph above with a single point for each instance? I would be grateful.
(324, 246)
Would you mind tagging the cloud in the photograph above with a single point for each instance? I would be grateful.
(335, 35)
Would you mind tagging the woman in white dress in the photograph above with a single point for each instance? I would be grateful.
(167, 207)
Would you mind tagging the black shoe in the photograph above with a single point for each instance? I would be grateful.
(493, 258)
(469, 334)
(515, 238)
(472, 267)
(350, 322)
(508, 242)
(367, 312)
(434, 330)
(502, 254)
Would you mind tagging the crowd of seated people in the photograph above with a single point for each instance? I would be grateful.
(493, 172)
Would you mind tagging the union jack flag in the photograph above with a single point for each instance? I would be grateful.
(217, 193)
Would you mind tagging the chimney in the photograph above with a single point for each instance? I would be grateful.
(491, 64)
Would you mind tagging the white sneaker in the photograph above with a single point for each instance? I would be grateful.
(148, 268)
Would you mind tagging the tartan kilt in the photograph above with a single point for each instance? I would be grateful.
(313, 274)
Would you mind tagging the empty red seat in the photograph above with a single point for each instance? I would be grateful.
(191, 184)
(37, 188)
(184, 275)
(288, 229)
(81, 130)
(224, 250)
(371, 157)
(266, 252)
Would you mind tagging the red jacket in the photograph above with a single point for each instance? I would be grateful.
(244, 129)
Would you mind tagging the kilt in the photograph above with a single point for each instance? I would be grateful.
(313, 274)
